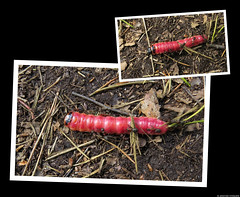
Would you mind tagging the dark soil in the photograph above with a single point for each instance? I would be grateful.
(174, 156)
(136, 63)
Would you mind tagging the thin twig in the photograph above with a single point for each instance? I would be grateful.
(95, 157)
(74, 144)
(95, 171)
(34, 147)
(223, 53)
(160, 173)
(129, 103)
(120, 84)
(153, 69)
(60, 99)
(99, 89)
(100, 104)
(117, 148)
(69, 171)
(40, 74)
(40, 154)
(193, 51)
(58, 79)
(26, 107)
(34, 105)
(81, 74)
(56, 154)
(165, 175)
(176, 60)
(48, 116)
(217, 46)
(24, 70)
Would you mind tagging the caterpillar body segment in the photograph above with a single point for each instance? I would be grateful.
(114, 125)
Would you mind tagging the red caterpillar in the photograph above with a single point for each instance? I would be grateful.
(164, 47)
(114, 125)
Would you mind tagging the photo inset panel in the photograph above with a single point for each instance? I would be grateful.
(171, 45)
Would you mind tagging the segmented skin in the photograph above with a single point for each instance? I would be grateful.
(165, 47)
(114, 125)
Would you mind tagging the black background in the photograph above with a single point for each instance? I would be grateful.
(85, 32)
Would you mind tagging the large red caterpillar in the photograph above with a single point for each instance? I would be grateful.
(164, 47)
(114, 125)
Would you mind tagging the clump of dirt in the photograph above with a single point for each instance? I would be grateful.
(45, 147)
(209, 57)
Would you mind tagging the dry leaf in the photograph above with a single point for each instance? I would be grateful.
(176, 108)
(196, 81)
(174, 69)
(121, 44)
(204, 19)
(193, 127)
(22, 163)
(198, 94)
(123, 65)
(160, 93)
(56, 126)
(120, 41)
(132, 37)
(194, 24)
(182, 97)
(65, 129)
(157, 139)
(150, 106)
(111, 160)
(129, 44)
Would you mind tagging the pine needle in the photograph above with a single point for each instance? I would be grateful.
(99, 89)
(118, 149)
(134, 142)
(120, 84)
(95, 171)
(74, 144)
(193, 51)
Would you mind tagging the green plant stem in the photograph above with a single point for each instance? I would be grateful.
(186, 81)
(214, 31)
(193, 114)
(127, 23)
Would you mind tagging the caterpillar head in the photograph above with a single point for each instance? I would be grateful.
(68, 118)
(151, 50)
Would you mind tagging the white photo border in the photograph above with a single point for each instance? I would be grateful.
(13, 177)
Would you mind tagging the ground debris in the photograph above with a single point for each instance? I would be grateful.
(123, 65)
(150, 106)
(135, 41)
(55, 155)
(182, 97)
